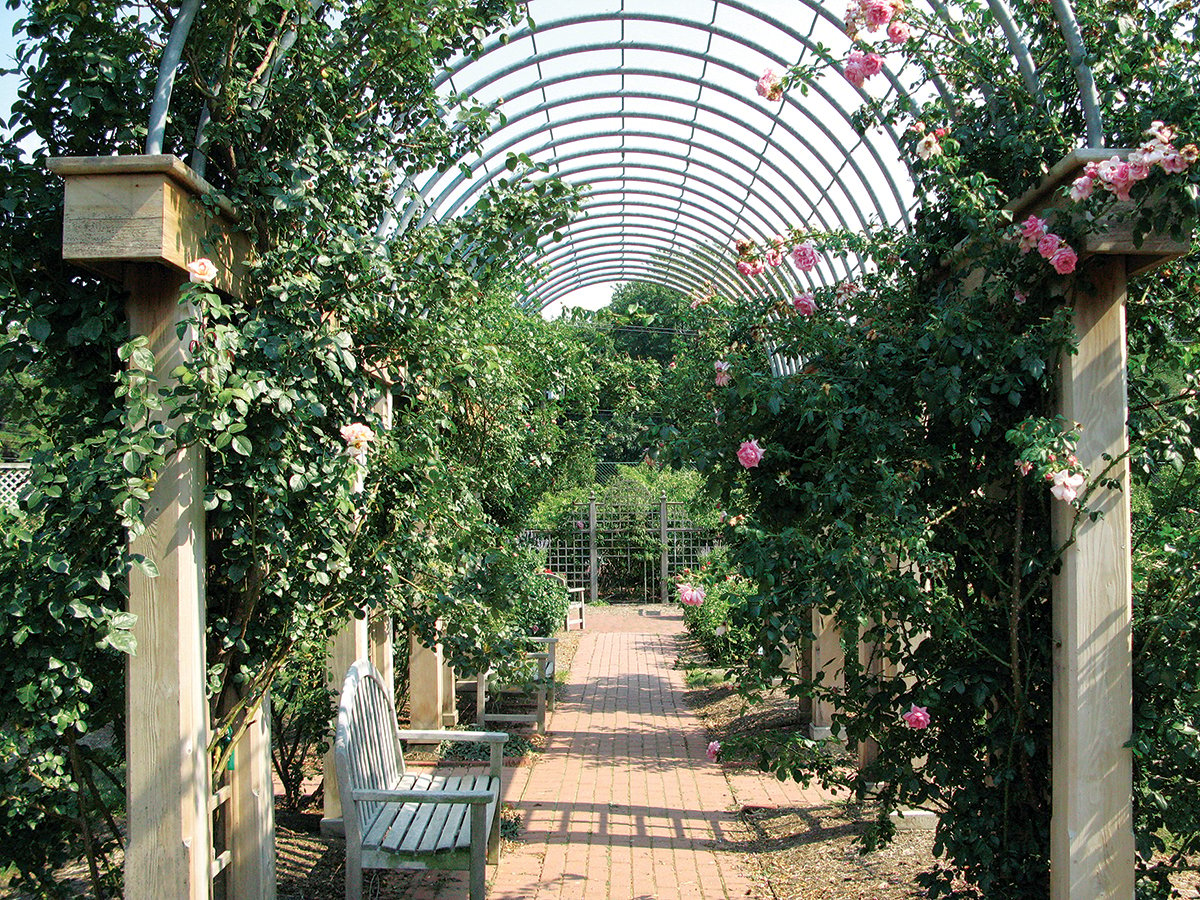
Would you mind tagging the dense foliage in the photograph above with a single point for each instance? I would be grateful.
(308, 119)
(904, 488)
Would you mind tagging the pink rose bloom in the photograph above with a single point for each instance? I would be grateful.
(750, 454)
(898, 33)
(713, 749)
(1033, 228)
(770, 87)
(357, 436)
(804, 303)
(774, 258)
(1066, 484)
(1019, 298)
(878, 13)
(805, 257)
(722, 376)
(1116, 177)
(872, 64)
(929, 147)
(917, 717)
(690, 596)
(1048, 245)
(855, 74)
(750, 267)
(201, 271)
(1174, 163)
(1024, 466)
(1064, 260)
(1081, 188)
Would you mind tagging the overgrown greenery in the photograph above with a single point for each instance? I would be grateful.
(888, 498)
(314, 116)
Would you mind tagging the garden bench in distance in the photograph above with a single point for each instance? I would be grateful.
(399, 820)
(540, 686)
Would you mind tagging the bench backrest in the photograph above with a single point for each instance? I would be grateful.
(366, 745)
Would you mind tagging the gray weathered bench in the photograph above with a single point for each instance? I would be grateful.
(399, 820)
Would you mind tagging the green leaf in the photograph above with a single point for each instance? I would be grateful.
(241, 444)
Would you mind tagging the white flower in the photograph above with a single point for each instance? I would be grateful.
(1066, 485)
(201, 271)
(928, 146)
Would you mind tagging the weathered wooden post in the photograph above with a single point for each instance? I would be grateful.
(593, 552)
(137, 219)
(664, 561)
(1091, 843)
(828, 658)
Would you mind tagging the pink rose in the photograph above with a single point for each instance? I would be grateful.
(1066, 484)
(770, 87)
(872, 64)
(751, 267)
(357, 436)
(1081, 188)
(855, 74)
(1174, 163)
(1033, 228)
(805, 257)
(929, 147)
(750, 454)
(1019, 298)
(722, 376)
(878, 13)
(804, 303)
(201, 271)
(1024, 466)
(774, 258)
(1048, 245)
(1064, 260)
(898, 33)
(917, 717)
(713, 749)
(690, 596)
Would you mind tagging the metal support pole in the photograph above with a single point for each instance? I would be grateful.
(665, 555)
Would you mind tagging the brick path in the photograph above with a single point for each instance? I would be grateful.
(623, 804)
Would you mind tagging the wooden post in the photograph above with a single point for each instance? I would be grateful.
(827, 657)
(380, 634)
(348, 646)
(251, 837)
(449, 696)
(168, 782)
(593, 552)
(136, 219)
(426, 686)
(1091, 836)
(664, 562)
(1091, 828)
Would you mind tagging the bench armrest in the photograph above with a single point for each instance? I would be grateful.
(472, 797)
(429, 737)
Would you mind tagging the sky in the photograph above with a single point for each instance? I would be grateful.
(8, 83)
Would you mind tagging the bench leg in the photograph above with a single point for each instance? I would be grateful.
(541, 709)
(480, 698)
(479, 850)
(353, 874)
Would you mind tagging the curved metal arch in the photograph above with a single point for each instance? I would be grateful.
(764, 137)
(707, 265)
(435, 208)
(648, 265)
(605, 272)
(602, 244)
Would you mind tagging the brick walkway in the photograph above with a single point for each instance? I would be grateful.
(623, 804)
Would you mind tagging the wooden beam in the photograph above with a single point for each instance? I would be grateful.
(827, 658)
(426, 686)
(1091, 843)
(251, 834)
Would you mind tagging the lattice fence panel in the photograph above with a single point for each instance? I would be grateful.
(629, 549)
(13, 478)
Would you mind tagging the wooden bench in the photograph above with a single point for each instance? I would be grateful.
(400, 820)
(575, 602)
(540, 687)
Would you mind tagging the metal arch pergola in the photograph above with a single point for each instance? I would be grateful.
(653, 105)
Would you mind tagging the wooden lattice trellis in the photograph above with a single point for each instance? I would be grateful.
(13, 478)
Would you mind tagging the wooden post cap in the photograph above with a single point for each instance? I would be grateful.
(146, 209)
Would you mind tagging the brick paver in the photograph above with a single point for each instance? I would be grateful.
(623, 804)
